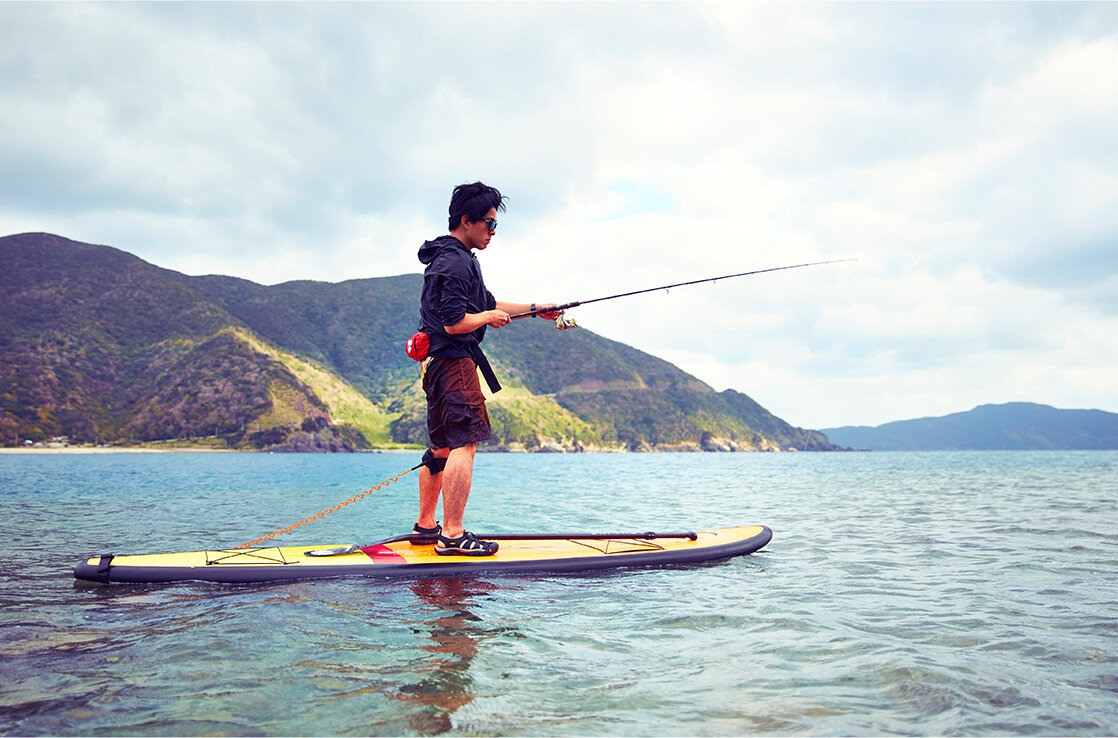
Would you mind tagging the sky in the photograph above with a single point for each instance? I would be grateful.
(965, 155)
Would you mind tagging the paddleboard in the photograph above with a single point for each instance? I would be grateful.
(407, 556)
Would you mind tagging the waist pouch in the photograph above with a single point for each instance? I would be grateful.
(418, 345)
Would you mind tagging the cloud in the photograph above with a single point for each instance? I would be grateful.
(965, 154)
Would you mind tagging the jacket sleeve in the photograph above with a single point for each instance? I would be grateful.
(453, 299)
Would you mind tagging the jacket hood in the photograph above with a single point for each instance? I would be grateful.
(429, 249)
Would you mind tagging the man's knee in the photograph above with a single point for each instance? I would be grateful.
(435, 460)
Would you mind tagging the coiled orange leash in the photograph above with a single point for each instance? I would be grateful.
(324, 513)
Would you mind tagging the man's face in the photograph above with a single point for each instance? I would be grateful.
(478, 233)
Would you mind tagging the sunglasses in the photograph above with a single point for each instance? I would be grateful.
(489, 222)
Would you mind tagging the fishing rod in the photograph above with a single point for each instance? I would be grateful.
(537, 311)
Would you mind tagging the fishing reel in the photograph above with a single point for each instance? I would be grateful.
(563, 323)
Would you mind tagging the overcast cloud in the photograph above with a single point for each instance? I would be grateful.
(965, 154)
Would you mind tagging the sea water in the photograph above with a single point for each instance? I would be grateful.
(902, 593)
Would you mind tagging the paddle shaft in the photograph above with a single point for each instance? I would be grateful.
(646, 536)
(649, 536)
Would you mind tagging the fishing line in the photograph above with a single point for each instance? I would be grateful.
(327, 511)
(537, 311)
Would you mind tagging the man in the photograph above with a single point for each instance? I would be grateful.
(455, 311)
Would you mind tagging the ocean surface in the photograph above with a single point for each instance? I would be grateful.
(902, 594)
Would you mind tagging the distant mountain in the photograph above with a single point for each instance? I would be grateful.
(101, 346)
(1015, 425)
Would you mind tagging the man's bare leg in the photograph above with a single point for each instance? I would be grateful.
(429, 487)
(456, 480)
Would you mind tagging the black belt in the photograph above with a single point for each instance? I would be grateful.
(486, 369)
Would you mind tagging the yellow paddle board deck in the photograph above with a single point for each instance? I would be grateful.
(408, 556)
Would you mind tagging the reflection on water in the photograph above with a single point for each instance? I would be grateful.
(454, 633)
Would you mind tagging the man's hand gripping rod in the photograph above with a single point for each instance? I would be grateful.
(563, 323)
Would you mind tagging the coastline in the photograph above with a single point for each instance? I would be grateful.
(548, 446)
(169, 450)
(113, 450)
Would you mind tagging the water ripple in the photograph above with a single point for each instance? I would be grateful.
(903, 594)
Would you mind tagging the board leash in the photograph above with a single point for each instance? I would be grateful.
(333, 508)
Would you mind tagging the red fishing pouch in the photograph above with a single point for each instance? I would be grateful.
(417, 346)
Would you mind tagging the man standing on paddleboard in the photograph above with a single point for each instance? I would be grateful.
(455, 311)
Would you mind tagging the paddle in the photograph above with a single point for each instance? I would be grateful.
(646, 536)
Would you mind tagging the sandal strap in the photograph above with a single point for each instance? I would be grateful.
(465, 542)
(417, 528)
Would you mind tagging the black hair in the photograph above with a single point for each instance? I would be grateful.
(474, 201)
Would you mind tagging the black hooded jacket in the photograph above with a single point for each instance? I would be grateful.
(452, 287)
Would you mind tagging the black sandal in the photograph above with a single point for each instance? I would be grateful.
(425, 536)
(465, 545)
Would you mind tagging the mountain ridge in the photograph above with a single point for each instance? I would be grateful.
(1006, 426)
(99, 345)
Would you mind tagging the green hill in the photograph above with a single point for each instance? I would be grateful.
(100, 346)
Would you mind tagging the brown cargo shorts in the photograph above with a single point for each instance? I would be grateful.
(456, 414)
